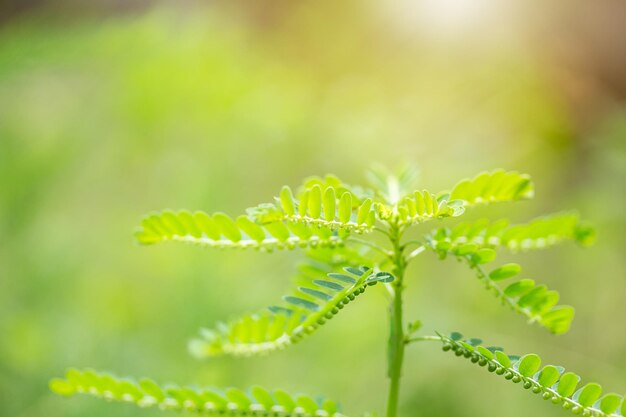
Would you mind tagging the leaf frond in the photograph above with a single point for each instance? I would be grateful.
(255, 402)
(493, 187)
(321, 206)
(539, 233)
(423, 205)
(221, 231)
(551, 382)
(485, 188)
(318, 298)
(536, 302)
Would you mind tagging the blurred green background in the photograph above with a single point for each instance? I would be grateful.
(108, 111)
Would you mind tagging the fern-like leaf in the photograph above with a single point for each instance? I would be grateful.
(539, 233)
(485, 188)
(221, 231)
(319, 205)
(424, 205)
(535, 302)
(493, 187)
(314, 302)
(551, 382)
(256, 402)
(547, 231)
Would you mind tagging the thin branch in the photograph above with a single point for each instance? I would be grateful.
(423, 339)
(416, 252)
(412, 242)
(383, 231)
(370, 244)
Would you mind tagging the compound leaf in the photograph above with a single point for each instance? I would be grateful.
(535, 302)
(324, 203)
(317, 299)
(539, 233)
(485, 188)
(551, 382)
(221, 231)
(493, 187)
(258, 402)
(423, 205)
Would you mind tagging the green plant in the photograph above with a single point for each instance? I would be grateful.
(327, 218)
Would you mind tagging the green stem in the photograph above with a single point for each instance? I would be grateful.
(396, 334)
(422, 339)
(416, 252)
(370, 244)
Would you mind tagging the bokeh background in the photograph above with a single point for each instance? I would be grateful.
(111, 109)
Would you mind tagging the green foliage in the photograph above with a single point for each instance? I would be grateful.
(539, 233)
(551, 382)
(301, 314)
(221, 231)
(232, 401)
(474, 242)
(319, 205)
(324, 215)
(424, 205)
(524, 296)
(493, 187)
(399, 198)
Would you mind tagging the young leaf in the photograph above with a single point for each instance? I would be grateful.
(345, 208)
(329, 203)
(314, 302)
(320, 205)
(550, 382)
(529, 365)
(315, 202)
(505, 271)
(391, 187)
(493, 187)
(610, 403)
(549, 375)
(235, 403)
(423, 206)
(286, 201)
(535, 302)
(220, 231)
(539, 233)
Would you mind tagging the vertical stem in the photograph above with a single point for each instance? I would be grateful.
(396, 334)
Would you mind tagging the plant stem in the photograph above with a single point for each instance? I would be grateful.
(371, 245)
(422, 339)
(415, 253)
(396, 333)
